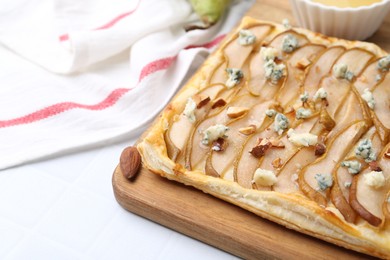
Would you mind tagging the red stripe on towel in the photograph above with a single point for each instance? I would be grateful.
(156, 66)
(208, 45)
(111, 23)
(58, 108)
(109, 101)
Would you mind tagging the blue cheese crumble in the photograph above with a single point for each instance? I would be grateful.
(302, 113)
(320, 94)
(213, 133)
(286, 24)
(246, 37)
(264, 177)
(304, 97)
(189, 110)
(289, 43)
(234, 77)
(384, 63)
(281, 123)
(365, 151)
(324, 181)
(374, 179)
(273, 71)
(268, 53)
(270, 112)
(369, 98)
(353, 167)
(341, 71)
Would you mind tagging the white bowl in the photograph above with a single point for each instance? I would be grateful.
(348, 23)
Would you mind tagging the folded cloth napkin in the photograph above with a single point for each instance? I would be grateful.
(81, 74)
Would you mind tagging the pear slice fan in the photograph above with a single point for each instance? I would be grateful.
(290, 125)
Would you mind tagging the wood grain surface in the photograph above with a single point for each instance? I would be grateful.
(216, 222)
(220, 224)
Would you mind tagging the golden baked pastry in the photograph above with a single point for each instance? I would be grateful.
(288, 124)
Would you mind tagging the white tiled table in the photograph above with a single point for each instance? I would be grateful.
(64, 208)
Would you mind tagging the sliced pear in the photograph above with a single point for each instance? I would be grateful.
(219, 74)
(341, 203)
(359, 208)
(256, 73)
(277, 41)
(337, 149)
(209, 169)
(381, 112)
(198, 150)
(288, 174)
(356, 59)
(181, 127)
(344, 178)
(258, 84)
(337, 91)
(233, 47)
(320, 67)
(351, 110)
(245, 164)
(223, 162)
(369, 77)
(290, 89)
(289, 150)
(172, 150)
(368, 201)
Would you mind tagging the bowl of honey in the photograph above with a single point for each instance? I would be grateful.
(348, 19)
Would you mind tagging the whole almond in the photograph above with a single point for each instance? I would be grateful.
(130, 162)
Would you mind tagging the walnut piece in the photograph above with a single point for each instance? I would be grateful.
(263, 144)
(320, 149)
(277, 163)
(219, 145)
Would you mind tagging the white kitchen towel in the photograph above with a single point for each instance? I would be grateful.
(81, 74)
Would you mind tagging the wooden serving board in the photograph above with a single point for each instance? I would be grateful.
(218, 223)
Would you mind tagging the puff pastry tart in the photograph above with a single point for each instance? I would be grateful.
(288, 124)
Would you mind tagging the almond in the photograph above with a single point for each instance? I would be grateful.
(276, 143)
(130, 162)
(220, 102)
(387, 153)
(326, 120)
(247, 130)
(201, 100)
(362, 79)
(303, 63)
(277, 163)
(234, 112)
